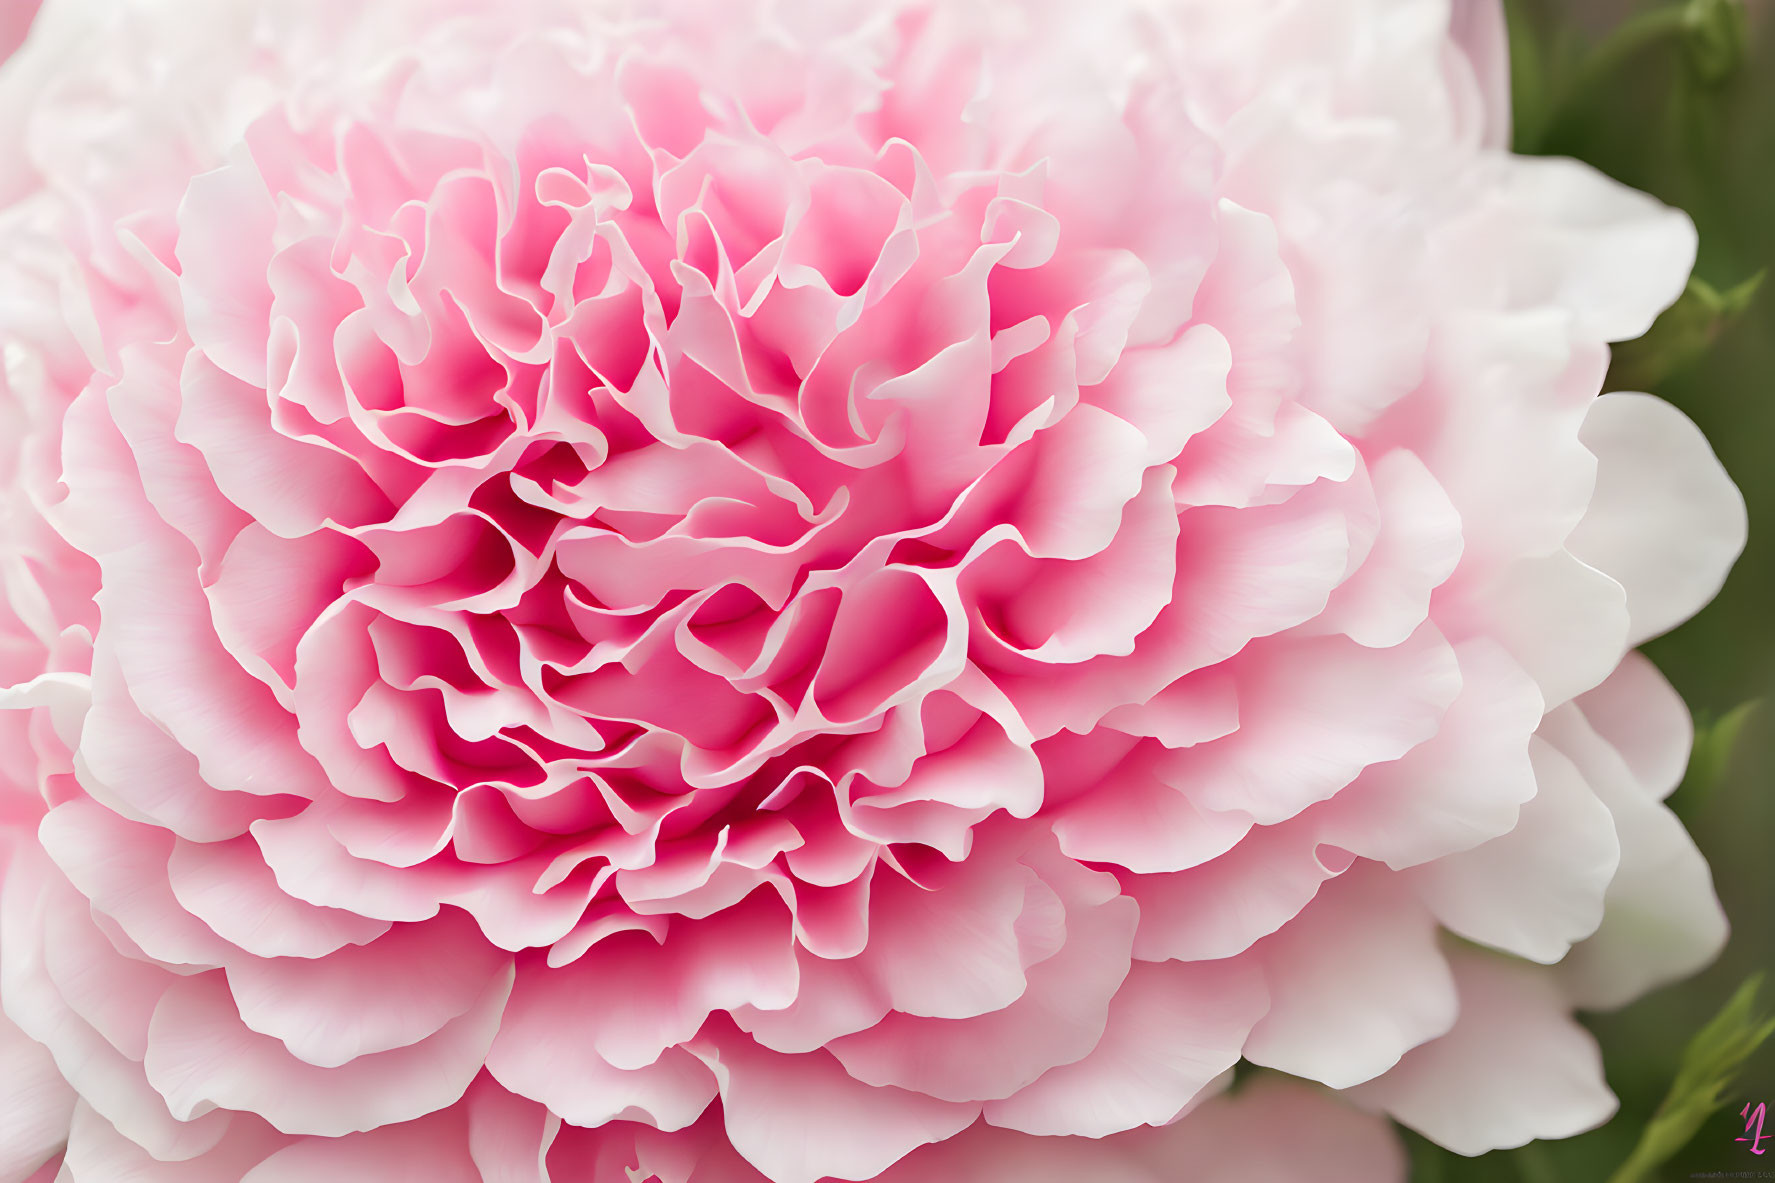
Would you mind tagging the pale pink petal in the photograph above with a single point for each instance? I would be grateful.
(1173, 1028)
(1355, 982)
(202, 1057)
(1615, 257)
(508, 1136)
(36, 1105)
(1241, 574)
(1172, 393)
(963, 934)
(1086, 472)
(801, 1118)
(1221, 907)
(140, 772)
(97, 1152)
(104, 1078)
(669, 1093)
(122, 868)
(1463, 786)
(183, 679)
(1477, 27)
(1639, 713)
(1563, 621)
(291, 487)
(1277, 1130)
(1515, 1066)
(389, 992)
(1666, 522)
(423, 1151)
(228, 886)
(1511, 384)
(227, 305)
(633, 995)
(982, 1154)
(268, 590)
(1661, 919)
(1058, 1019)
(1134, 818)
(1313, 714)
(1539, 888)
(16, 25)
(110, 992)
(1417, 549)
(310, 865)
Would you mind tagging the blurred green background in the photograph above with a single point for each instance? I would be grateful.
(1677, 97)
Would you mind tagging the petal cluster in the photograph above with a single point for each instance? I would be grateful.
(805, 592)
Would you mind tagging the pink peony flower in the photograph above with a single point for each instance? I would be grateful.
(791, 591)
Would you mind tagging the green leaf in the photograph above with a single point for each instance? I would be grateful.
(1709, 1064)
(1681, 334)
(1711, 756)
(1713, 36)
(1716, 36)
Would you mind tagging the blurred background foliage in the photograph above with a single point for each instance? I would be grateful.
(1677, 97)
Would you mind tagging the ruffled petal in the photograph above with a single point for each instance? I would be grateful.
(1666, 523)
(1514, 1068)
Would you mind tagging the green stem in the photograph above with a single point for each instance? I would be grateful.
(1629, 39)
(1533, 1165)
(1640, 1165)
(1625, 42)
